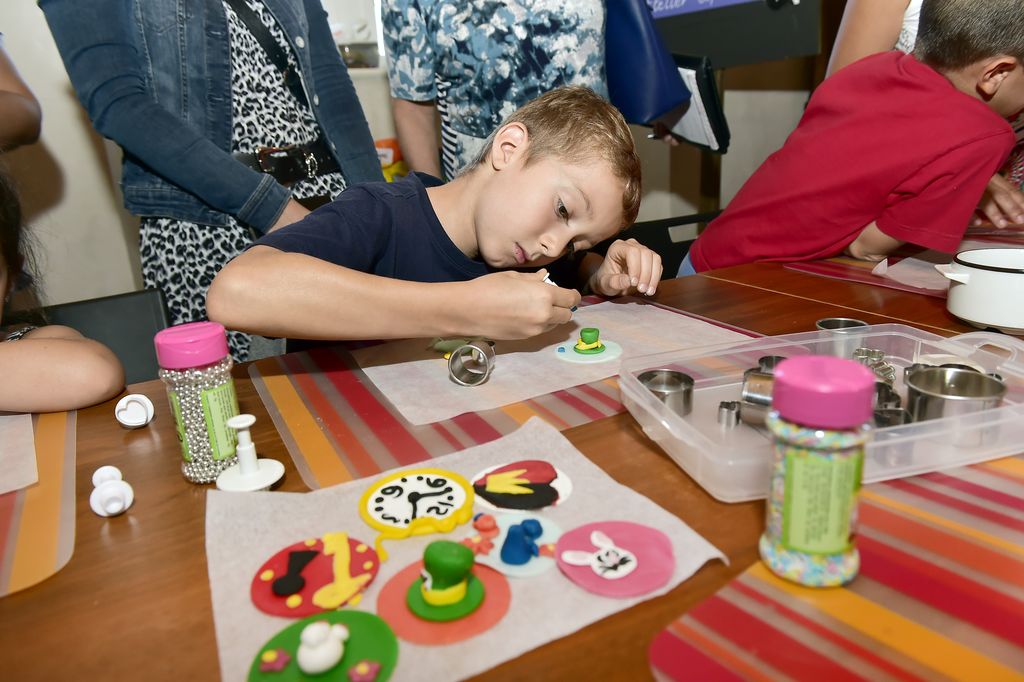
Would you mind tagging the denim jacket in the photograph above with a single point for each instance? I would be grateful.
(154, 76)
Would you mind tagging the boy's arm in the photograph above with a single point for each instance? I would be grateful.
(274, 293)
(55, 368)
(1002, 203)
(872, 244)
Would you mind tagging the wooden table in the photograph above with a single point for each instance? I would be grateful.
(134, 601)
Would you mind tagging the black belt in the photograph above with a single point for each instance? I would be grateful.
(293, 163)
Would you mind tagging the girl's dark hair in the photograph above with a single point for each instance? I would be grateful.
(10, 230)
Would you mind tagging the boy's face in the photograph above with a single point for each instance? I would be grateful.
(531, 215)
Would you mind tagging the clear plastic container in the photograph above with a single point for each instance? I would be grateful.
(734, 463)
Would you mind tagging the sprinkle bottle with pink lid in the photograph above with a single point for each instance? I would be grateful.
(820, 422)
(195, 365)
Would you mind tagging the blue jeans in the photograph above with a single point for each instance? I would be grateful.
(686, 268)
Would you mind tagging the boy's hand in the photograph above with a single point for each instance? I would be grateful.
(518, 305)
(1002, 203)
(628, 265)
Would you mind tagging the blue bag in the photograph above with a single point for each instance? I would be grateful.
(643, 81)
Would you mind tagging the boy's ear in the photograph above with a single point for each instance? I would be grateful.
(993, 72)
(509, 143)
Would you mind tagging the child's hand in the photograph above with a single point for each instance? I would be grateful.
(518, 305)
(1002, 203)
(628, 264)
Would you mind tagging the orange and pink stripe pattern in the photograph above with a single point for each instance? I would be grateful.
(338, 427)
(940, 595)
(37, 523)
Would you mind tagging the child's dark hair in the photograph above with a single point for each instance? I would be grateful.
(956, 33)
(10, 230)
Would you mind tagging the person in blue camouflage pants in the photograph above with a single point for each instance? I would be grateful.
(473, 62)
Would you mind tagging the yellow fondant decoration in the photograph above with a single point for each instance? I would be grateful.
(367, 565)
(458, 511)
(267, 575)
(580, 345)
(508, 482)
(334, 594)
(449, 595)
(269, 656)
(310, 543)
(354, 601)
(293, 601)
(361, 548)
(362, 667)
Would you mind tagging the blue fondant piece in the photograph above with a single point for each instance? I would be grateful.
(521, 542)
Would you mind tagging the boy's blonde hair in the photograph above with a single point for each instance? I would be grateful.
(575, 124)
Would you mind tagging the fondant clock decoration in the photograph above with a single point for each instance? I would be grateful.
(416, 502)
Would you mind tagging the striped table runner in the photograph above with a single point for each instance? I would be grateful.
(37, 523)
(940, 595)
(337, 426)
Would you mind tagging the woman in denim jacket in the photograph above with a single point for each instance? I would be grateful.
(219, 140)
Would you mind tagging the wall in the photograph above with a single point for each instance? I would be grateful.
(87, 243)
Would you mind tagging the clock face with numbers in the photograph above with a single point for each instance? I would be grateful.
(417, 501)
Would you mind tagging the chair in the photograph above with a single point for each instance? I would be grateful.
(125, 323)
(654, 234)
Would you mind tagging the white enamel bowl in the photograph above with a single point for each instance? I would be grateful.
(987, 288)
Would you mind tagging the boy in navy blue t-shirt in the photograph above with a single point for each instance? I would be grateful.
(417, 258)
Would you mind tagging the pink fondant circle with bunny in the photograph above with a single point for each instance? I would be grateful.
(616, 558)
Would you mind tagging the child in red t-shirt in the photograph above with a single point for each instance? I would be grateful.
(892, 149)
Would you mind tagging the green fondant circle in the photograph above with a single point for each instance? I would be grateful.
(419, 606)
(369, 639)
(590, 334)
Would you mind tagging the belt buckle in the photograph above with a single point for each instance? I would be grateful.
(311, 165)
(268, 158)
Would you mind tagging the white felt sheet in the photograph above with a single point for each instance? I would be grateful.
(245, 529)
(17, 452)
(415, 379)
(919, 271)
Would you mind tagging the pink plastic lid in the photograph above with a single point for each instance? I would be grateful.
(823, 391)
(191, 345)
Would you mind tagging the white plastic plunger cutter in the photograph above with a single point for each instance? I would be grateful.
(250, 473)
(110, 495)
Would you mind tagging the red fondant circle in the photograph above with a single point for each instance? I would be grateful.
(317, 573)
(392, 608)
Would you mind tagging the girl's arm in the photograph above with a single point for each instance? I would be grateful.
(55, 368)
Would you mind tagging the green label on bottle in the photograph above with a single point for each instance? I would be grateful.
(219, 405)
(818, 502)
(179, 425)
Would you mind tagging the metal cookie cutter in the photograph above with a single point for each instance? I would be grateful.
(471, 364)
(874, 360)
(728, 413)
(756, 396)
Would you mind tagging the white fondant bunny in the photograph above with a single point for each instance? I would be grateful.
(608, 561)
(322, 646)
